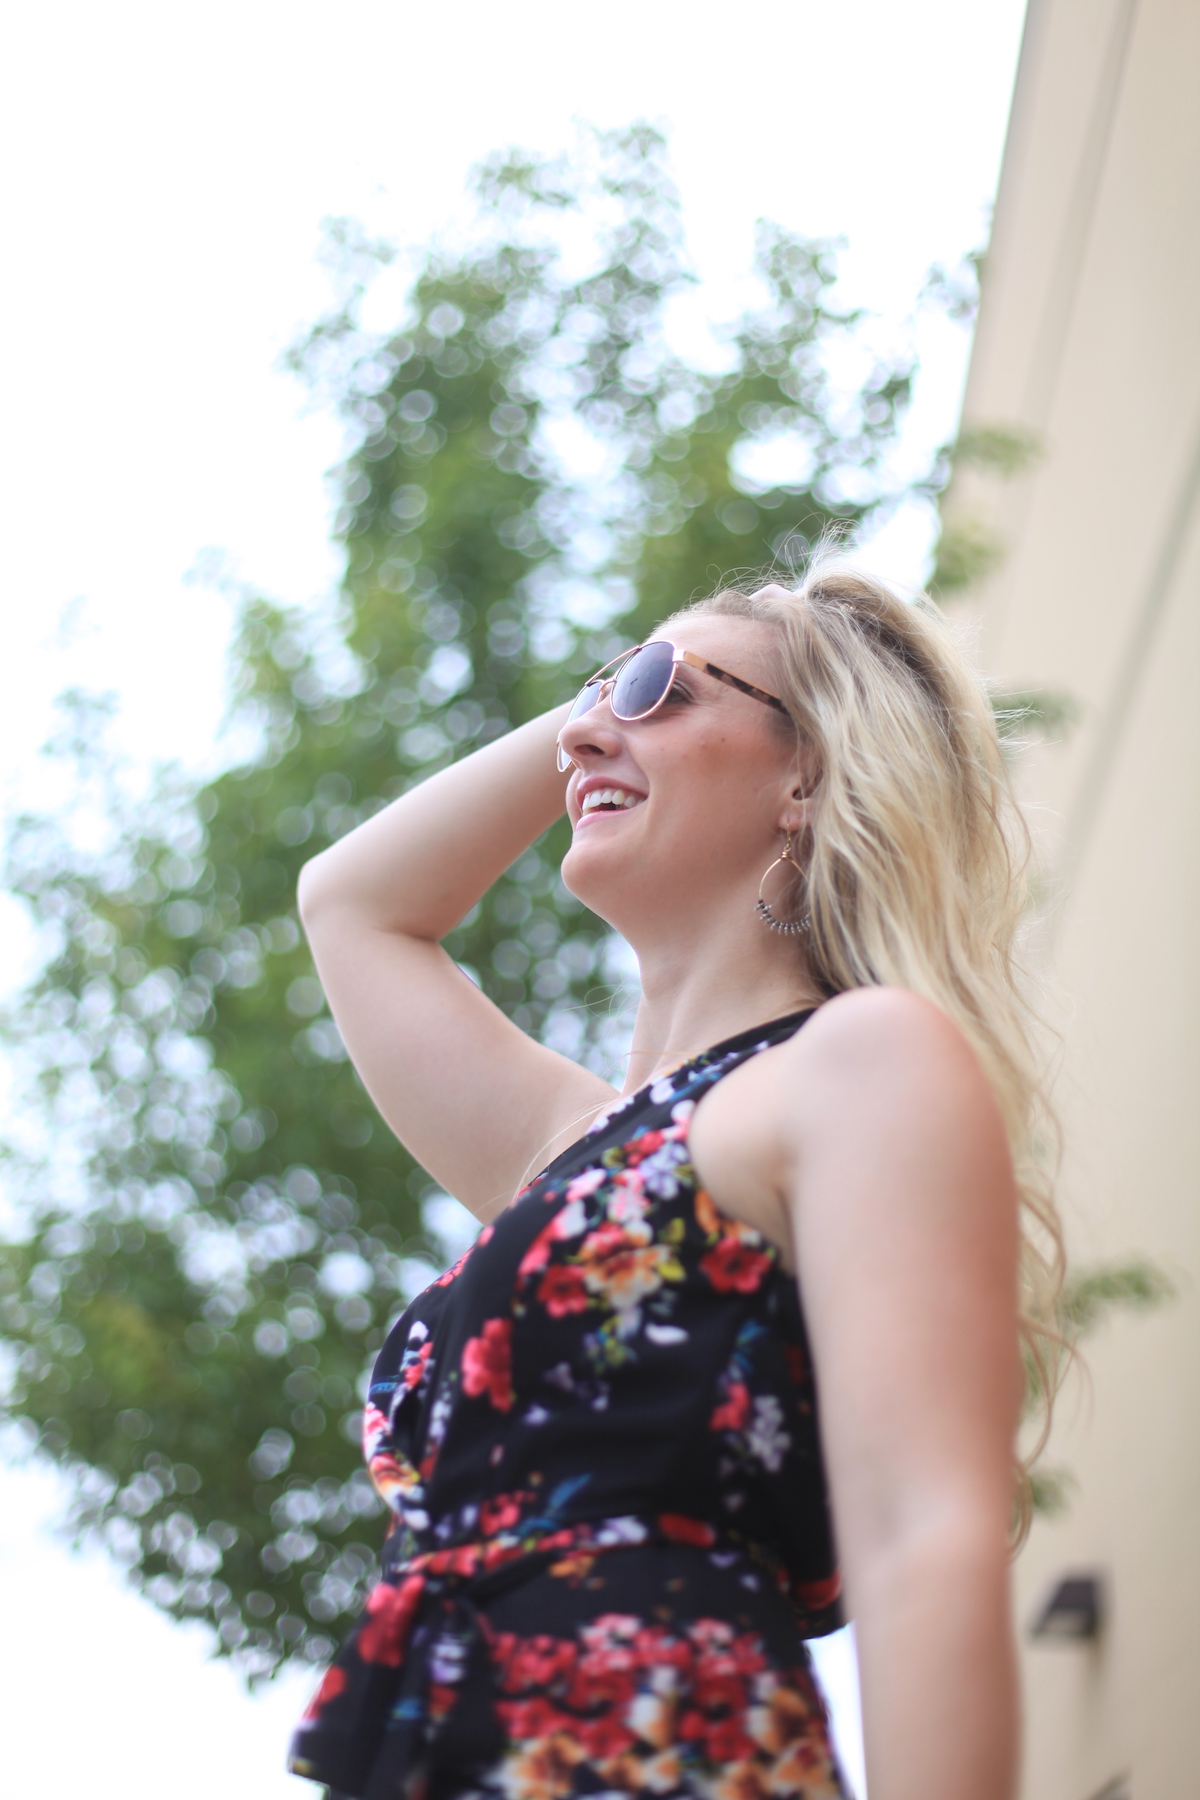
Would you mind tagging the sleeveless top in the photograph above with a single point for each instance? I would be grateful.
(597, 1435)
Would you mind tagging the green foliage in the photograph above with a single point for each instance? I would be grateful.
(1050, 1491)
(220, 1226)
(1008, 450)
(966, 552)
(1089, 1298)
(969, 550)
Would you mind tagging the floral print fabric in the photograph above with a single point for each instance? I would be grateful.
(597, 1436)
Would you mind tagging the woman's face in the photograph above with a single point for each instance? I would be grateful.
(702, 788)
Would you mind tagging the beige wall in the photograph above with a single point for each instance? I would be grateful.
(1089, 334)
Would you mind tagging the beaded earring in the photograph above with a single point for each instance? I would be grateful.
(787, 927)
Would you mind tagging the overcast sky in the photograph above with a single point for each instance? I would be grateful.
(166, 169)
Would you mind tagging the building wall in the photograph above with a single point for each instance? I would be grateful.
(1089, 336)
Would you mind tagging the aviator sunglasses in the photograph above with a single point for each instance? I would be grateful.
(641, 681)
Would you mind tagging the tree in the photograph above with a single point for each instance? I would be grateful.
(220, 1227)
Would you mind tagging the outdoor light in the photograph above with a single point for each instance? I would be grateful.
(1075, 1609)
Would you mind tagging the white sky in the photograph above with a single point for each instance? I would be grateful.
(165, 170)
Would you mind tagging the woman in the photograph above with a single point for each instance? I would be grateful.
(614, 1513)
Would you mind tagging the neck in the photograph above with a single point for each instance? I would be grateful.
(702, 986)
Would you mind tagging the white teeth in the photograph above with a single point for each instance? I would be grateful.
(609, 797)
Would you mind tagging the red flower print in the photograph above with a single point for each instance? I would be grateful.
(796, 1366)
(415, 1372)
(748, 1658)
(563, 1290)
(538, 1253)
(819, 1593)
(499, 1514)
(734, 1410)
(533, 1662)
(532, 1719)
(332, 1684)
(442, 1700)
(682, 1530)
(726, 1741)
(390, 1609)
(604, 1242)
(603, 1737)
(609, 1675)
(715, 1691)
(614, 1688)
(464, 1559)
(487, 1364)
(656, 1648)
(732, 1266)
(644, 1145)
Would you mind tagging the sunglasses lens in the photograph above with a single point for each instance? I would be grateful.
(585, 699)
(643, 680)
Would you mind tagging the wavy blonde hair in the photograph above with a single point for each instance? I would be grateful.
(915, 865)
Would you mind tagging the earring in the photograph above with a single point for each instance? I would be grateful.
(788, 927)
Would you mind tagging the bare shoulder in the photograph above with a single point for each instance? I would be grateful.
(883, 1044)
(879, 1091)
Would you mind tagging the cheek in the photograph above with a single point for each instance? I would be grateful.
(722, 791)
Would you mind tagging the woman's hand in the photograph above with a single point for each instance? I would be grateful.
(477, 1102)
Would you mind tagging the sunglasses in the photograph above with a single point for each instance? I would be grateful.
(642, 679)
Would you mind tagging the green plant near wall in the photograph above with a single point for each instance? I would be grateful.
(1089, 1300)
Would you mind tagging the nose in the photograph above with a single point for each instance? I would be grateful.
(592, 736)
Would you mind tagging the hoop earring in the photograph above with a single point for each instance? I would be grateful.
(788, 927)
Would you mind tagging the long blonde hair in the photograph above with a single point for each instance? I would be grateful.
(915, 866)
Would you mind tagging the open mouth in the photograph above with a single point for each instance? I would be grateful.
(612, 800)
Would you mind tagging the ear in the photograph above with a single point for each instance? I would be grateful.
(803, 784)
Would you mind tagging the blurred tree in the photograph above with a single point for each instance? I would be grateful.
(220, 1226)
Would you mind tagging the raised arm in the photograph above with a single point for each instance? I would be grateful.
(474, 1099)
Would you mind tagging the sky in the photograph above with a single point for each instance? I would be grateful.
(165, 172)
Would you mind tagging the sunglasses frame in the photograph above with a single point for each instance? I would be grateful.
(677, 656)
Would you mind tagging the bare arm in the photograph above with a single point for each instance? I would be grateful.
(905, 1225)
(470, 1095)
(870, 1146)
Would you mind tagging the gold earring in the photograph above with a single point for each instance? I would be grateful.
(788, 927)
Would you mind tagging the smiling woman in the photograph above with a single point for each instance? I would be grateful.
(737, 1347)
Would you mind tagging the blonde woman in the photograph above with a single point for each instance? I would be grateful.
(736, 1352)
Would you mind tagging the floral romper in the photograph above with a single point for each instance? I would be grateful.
(597, 1435)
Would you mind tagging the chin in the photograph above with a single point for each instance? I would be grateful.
(631, 890)
(591, 877)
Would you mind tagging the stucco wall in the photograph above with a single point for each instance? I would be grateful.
(1089, 336)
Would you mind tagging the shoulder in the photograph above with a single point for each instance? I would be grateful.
(881, 1022)
(878, 1095)
(884, 1053)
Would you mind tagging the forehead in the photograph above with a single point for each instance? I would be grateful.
(743, 646)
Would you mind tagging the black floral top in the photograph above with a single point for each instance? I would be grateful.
(597, 1434)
